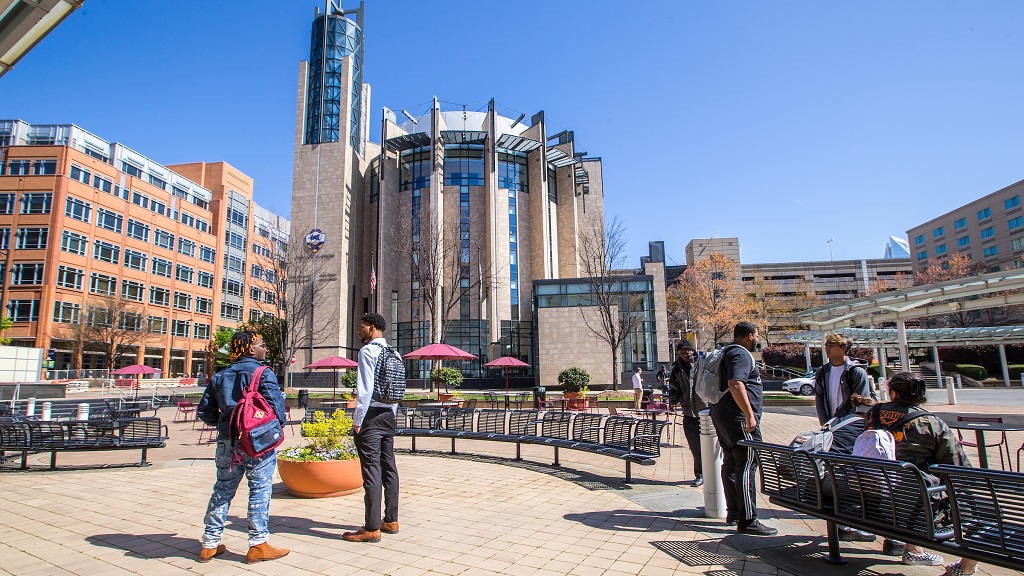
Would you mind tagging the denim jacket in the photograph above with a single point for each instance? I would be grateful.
(225, 390)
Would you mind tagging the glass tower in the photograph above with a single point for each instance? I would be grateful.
(323, 95)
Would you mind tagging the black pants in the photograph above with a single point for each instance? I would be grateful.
(376, 445)
(739, 469)
(691, 429)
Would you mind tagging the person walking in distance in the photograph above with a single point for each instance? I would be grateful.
(246, 352)
(638, 388)
(736, 417)
(374, 426)
(838, 380)
(681, 391)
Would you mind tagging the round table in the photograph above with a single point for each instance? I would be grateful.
(1010, 423)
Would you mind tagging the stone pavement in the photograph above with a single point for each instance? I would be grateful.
(478, 512)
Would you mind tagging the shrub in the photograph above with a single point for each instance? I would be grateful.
(1015, 371)
(348, 379)
(875, 372)
(790, 355)
(327, 438)
(573, 379)
(969, 370)
(448, 376)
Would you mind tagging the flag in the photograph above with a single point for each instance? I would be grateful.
(373, 279)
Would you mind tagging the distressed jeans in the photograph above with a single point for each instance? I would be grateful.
(260, 473)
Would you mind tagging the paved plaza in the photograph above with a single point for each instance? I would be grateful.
(478, 512)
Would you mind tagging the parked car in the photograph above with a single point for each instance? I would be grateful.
(802, 386)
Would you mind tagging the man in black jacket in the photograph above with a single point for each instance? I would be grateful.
(681, 391)
(837, 380)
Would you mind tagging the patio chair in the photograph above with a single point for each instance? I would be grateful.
(186, 411)
(1001, 443)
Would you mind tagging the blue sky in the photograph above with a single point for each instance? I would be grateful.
(783, 123)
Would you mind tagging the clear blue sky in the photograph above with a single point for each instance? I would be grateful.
(784, 123)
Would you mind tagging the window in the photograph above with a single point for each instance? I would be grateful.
(257, 271)
(5, 238)
(919, 240)
(230, 312)
(158, 182)
(103, 184)
(158, 207)
(138, 230)
(1016, 222)
(983, 214)
(182, 301)
(202, 225)
(36, 202)
(97, 316)
(235, 241)
(77, 209)
(938, 232)
(159, 296)
(135, 260)
(257, 249)
(987, 233)
(1017, 243)
(163, 239)
(965, 241)
(102, 284)
(161, 267)
(184, 273)
(6, 202)
(254, 315)
(959, 224)
(236, 217)
(131, 290)
(204, 279)
(991, 251)
(269, 297)
(156, 325)
(922, 255)
(23, 274)
(204, 305)
(464, 165)
(179, 328)
(140, 199)
(940, 249)
(106, 252)
(23, 310)
(79, 174)
(232, 287)
(73, 242)
(207, 254)
(19, 167)
(1012, 202)
(129, 321)
(68, 277)
(234, 264)
(188, 219)
(255, 293)
(130, 169)
(205, 205)
(201, 331)
(271, 276)
(179, 192)
(31, 238)
(67, 312)
(109, 220)
(186, 247)
(44, 167)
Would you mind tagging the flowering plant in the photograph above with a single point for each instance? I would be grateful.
(327, 438)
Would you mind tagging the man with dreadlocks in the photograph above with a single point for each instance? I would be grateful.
(247, 351)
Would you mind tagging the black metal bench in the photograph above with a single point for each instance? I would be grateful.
(896, 500)
(632, 440)
(78, 435)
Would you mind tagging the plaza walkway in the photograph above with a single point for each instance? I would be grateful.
(475, 513)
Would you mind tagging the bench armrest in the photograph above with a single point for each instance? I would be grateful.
(633, 440)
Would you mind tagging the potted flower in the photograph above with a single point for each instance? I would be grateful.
(327, 464)
(573, 380)
(348, 379)
(451, 378)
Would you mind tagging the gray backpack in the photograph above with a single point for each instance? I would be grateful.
(708, 379)
(388, 376)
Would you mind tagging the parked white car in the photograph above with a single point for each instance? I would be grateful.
(802, 386)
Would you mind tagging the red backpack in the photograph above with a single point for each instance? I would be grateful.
(255, 428)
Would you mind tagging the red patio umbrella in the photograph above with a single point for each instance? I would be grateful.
(439, 352)
(333, 362)
(136, 370)
(506, 362)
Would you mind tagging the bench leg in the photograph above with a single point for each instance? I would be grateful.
(144, 462)
(556, 457)
(24, 460)
(414, 444)
(629, 472)
(835, 556)
(453, 445)
(518, 454)
(53, 460)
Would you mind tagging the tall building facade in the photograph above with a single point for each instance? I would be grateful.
(95, 235)
(989, 230)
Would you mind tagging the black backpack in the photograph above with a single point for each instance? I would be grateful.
(388, 376)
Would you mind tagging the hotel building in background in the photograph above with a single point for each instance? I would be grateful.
(88, 226)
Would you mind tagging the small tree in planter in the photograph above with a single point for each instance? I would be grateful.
(348, 380)
(573, 380)
(448, 376)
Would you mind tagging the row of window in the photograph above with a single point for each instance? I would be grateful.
(75, 243)
(258, 295)
(108, 220)
(71, 313)
(983, 214)
(987, 252)
(28, 167)
(31, 203)
(160, 183)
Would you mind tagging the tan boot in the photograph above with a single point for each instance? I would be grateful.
(207, 554)
(363, 535)
(389, 527)
(264, 551)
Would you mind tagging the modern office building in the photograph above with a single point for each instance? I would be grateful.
(989, 230)
(896, 247)
(95, 235)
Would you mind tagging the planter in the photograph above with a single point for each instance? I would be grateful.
(568, 395)
(442, 397)
(320, 479)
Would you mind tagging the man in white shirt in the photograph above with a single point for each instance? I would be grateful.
(374, 428)
(837, 380)
(638, 388)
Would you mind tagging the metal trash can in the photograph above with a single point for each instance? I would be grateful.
(304, 399)
(540, 394)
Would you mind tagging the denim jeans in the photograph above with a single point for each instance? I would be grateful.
(260, 473)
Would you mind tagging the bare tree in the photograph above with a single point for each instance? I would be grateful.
(602, 255)
(298, 293)
(114, 325)
(773, 308)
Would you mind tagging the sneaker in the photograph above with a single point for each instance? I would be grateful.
(730, 521)
(954, 569)
(894, 547)
(756, 528)
(854, 535)
(698, 481)
(922, 559)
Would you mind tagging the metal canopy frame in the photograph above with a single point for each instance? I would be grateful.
(920, 337)
(558, 158)
(517, 143)
(463, 136)
(408, 142)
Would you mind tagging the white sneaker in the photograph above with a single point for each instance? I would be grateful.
(954, 569)
(922, 559)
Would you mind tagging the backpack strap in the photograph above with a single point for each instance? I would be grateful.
(910, 416)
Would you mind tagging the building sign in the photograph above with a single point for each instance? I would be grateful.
(315, 240)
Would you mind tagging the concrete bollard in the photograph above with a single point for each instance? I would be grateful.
(959, 382)
(47, 406)
(950, 390)
(83, 411)
(30, 407)
(711, 464)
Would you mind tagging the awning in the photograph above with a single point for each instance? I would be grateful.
(517, 143)
(408, 142)
(463, 137)
(875, 337)
(559, 159)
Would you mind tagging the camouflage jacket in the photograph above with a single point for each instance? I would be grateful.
(923, 441)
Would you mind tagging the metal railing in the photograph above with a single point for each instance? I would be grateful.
(784, 371)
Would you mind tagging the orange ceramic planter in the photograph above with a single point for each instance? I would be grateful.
(320, 479)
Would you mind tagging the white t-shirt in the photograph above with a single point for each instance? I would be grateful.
(637, 381)
(835, 391)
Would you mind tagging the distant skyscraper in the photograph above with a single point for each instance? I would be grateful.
(897, 247)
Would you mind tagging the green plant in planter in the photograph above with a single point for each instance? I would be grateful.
(573, 379)
(583, 391)
(348, 379)
(448, 376)
(327, 438)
